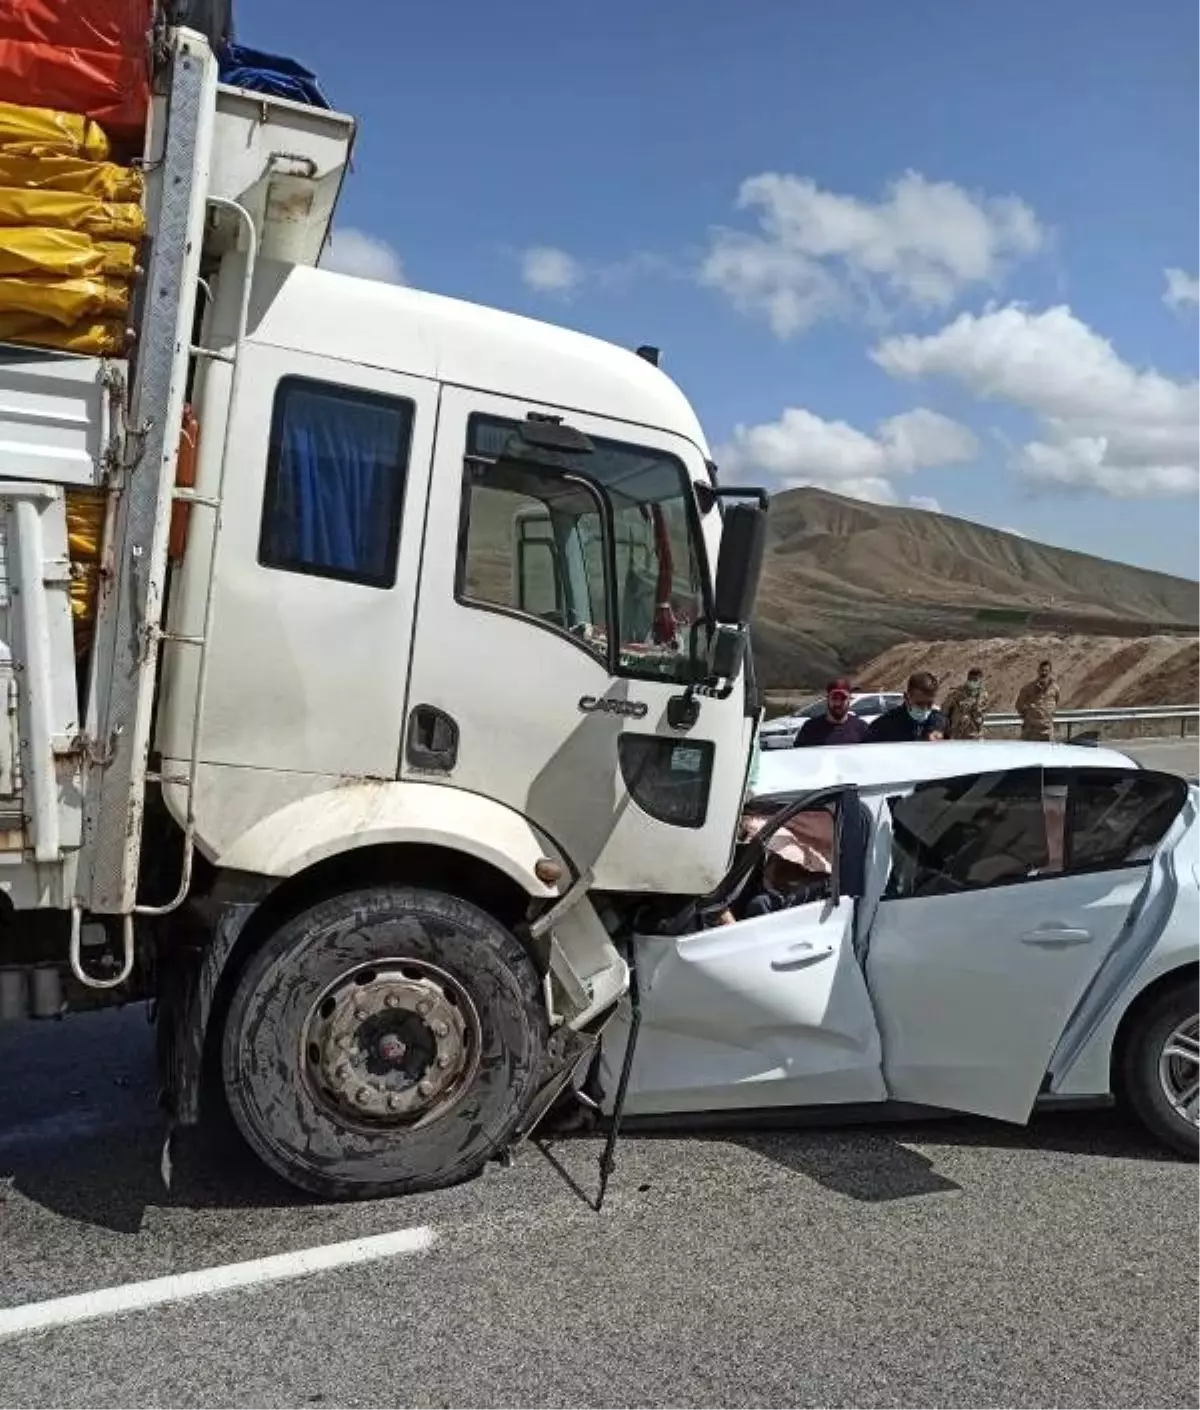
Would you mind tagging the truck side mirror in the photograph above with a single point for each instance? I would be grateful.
(726, 652)
(743, 542)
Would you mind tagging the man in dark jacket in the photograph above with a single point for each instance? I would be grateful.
(837, 725)
(917, 718)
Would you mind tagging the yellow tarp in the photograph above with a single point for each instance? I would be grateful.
(66, 210)
(104, 180)
(85, 526)
(67, 254)
(37, 131)
(100, 337)
(64, 301)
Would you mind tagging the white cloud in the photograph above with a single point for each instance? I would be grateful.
(1182, 289)
(1104, 425)
(817, 254)
(547, 270)
(352, 251)
(924, 501)
(803, 449)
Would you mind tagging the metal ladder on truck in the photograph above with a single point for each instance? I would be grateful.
(129, 613)
(231, 171)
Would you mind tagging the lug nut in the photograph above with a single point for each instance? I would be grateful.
(392, 1001)
(363, 1096)
(343, 1069)
(443, 1059)
(360, 1015)
(395, 1102)
(425, 1088)
(441, 1029)
(423, 1007)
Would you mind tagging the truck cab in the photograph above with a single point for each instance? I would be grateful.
(419, 668)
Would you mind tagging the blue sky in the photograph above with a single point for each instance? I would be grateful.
(915, 252)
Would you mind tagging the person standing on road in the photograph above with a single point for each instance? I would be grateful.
(917, 718)
(837, 725)
(1037, 704)
(965, 707)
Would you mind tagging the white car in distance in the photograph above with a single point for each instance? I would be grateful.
(1002, 924)
(781, 732)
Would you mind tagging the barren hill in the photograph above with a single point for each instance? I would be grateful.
(1093, 671)
(844, 581)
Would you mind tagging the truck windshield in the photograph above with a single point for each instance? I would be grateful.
(599, 544)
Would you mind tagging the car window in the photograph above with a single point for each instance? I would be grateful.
(868, 705)
(984, 830)
(1118, 819)
(965, 834)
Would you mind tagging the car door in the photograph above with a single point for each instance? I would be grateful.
(1006, 893)
(766, 1012)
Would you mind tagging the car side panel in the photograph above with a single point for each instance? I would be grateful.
(1082, 1064)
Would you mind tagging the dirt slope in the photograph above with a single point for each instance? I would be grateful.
(1093, 671)
(843, 581)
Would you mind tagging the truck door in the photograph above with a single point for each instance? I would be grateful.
(559, 591)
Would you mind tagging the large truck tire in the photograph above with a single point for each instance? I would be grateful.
(383, 1042)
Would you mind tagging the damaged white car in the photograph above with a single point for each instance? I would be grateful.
(972, 927)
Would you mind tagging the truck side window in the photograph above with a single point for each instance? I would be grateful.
(532, 542)
(336, 469)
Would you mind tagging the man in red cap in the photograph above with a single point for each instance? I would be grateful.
(837, 725)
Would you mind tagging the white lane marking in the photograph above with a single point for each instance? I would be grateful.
(133, 1297)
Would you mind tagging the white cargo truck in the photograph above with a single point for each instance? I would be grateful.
(415, 678)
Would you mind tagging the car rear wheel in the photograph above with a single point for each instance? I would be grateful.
(383, 1042)
(1160, 1075)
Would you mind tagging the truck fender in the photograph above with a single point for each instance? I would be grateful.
(297, 837)
(368, 813)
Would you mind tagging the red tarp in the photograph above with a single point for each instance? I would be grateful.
(82, 56)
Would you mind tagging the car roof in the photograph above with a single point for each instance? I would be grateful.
(870, 766)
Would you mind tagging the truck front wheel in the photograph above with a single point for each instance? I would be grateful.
(383, 1042)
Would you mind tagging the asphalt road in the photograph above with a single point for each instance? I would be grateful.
(1174, 756)
(942, 1263)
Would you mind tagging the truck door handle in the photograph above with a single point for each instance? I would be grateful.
(1056, 937)
(801, 956)
(432, 739)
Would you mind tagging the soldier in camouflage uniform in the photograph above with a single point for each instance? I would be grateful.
(965, 707)
(1037, 704)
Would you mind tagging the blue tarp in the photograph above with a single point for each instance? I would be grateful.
(269, 73)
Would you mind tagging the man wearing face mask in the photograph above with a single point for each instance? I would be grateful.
(837, 725)
(965, 707)
(1037, 704)
(917, 719)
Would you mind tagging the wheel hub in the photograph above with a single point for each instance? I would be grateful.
(1179, 1070)
(393, 1041)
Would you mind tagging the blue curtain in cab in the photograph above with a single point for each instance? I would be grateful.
(338, 482)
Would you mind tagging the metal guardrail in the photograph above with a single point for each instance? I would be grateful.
(1070, 720)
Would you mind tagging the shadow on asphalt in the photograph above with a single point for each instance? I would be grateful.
(876, 1163)
(80, 1135)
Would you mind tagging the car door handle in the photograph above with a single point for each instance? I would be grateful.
(1055, 937)
(801, 956)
